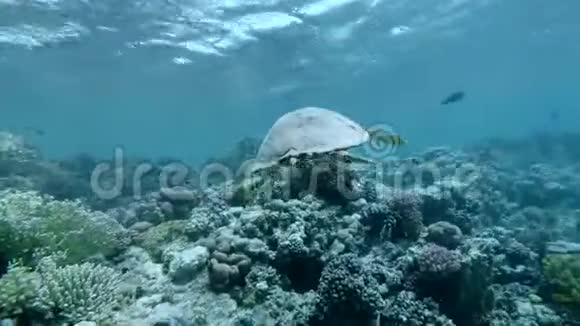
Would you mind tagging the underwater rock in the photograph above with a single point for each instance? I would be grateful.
(406, 309)
(183, 263)
(14, 147)
(514, 262)
(157, 238)
(563, 247)
(448, 202)
(143, 210)
(515, 304)
(177, 202)
(444, 234)
(142, 276)
(228, 270)
(177, 195)
(166, 314)
(141, 227)
(167, 209)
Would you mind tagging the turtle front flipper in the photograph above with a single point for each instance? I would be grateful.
(352, 158)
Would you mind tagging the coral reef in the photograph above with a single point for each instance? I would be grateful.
(562, 271)
(77, 293)
(34, 224)
(347, 293)
(445, 237)
(18, 290)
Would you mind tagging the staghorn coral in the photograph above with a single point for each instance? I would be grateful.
(76, 293)
(182, 263)
(18, 290)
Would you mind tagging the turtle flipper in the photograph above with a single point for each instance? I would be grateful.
(352, 158)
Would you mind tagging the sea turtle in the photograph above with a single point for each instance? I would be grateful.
(309, 131)
(306, 139)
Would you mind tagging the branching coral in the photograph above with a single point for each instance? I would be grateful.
(76, 293)
(30, 222)
(18, 290)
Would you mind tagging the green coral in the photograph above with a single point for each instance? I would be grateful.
(158, 237)
(68, 294)
(76, 293)
(563, 272)
(246, 191)
(31, 223)
(18, 290)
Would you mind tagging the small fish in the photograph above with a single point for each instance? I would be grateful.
(393, 139)
(454, 97)
(414, 160)
(380, 139)
(34, 131)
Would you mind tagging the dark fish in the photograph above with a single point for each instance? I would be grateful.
(34, 131)
(414, 160)
(454, 97)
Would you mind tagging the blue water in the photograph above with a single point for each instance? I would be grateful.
(188, 79)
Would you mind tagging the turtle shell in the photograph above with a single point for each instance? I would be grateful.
(310, 130)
